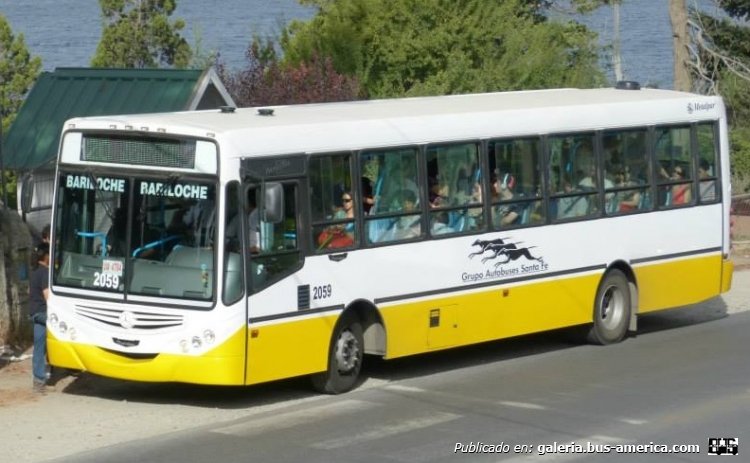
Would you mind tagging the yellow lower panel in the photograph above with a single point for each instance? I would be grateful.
(285, 350)
(677, 283)
(224, 365)
(493, 314)
(726, 275)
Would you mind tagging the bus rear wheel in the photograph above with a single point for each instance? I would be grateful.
(611, 309)
(344, 358)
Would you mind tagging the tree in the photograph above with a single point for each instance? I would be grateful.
(720, 64)
(428, 47)
(267, 81)
(138, 34)
(680, 40)
(18, 72)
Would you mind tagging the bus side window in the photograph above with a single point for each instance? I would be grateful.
(333, 203)
(233, 285)
(516, 183)
(453, 185)
(573, 165)
(396, 210)
(626, 168)
(708, 176)
(675, 166)
(279, 253)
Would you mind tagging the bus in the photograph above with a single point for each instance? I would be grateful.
(241, 246)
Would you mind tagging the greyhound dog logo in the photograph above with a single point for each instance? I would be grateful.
(493, 249)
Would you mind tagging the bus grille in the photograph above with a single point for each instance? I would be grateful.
(135, 319)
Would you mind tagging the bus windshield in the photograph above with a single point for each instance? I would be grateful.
(133, 236)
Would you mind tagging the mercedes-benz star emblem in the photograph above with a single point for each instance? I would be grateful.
(127, 320)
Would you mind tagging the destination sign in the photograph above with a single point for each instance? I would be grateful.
(177, 190)
(87, 182)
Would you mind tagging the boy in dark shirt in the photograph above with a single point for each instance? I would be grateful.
(38, 294)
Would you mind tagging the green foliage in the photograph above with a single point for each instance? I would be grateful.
(138, 34)
(740, 160)
(201, 58)
(18, 72)
(428, 47)
(739, 9)
(736, 93)
(731, 39)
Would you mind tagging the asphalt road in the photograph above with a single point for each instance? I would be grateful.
(683, 379)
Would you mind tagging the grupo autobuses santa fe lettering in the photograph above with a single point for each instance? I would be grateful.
(184, 191)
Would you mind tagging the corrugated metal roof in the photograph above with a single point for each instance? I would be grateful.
(33, 139)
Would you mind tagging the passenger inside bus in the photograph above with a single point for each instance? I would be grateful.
(117, 245)
(251, 212)
(475, 213)
(680, 193)
(707, 187)
(440, 224)
(408, 226)
(439, 193)
(368, 199)
(626, 201)
(571, 206)
(196, 221)
(141, 236)
(340, 235)
(504, 215)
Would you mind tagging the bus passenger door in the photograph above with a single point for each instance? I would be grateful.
(276, 347)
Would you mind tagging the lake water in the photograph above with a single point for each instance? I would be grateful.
(65, 32)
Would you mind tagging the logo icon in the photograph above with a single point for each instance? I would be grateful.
(127, 320)
(723, 446)
(690, 108)
(501, 248)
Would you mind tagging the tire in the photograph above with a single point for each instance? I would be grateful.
(344, 358)
(611, 310)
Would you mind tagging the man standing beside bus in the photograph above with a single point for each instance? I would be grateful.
(38, 295)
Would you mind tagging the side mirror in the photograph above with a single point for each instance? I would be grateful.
(273, 203)
(27, 193)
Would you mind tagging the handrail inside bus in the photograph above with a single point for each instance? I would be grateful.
(154, 244)
(101, 235)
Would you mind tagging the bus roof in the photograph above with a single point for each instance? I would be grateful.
(370, 123)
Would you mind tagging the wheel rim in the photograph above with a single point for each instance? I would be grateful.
(612, 307)
(347, 352)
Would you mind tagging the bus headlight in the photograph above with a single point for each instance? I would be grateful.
(197, 342)
(52, 320)
(209, 337)
(72, 334)
(184, 346)
(62, 327)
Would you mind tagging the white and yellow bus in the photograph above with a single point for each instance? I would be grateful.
(241, 246)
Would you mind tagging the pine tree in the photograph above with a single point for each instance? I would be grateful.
(138, 34)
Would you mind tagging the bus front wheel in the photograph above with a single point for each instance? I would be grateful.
(344, 358)
(611, 309)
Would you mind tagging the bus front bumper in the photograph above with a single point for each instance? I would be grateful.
(224, 365)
